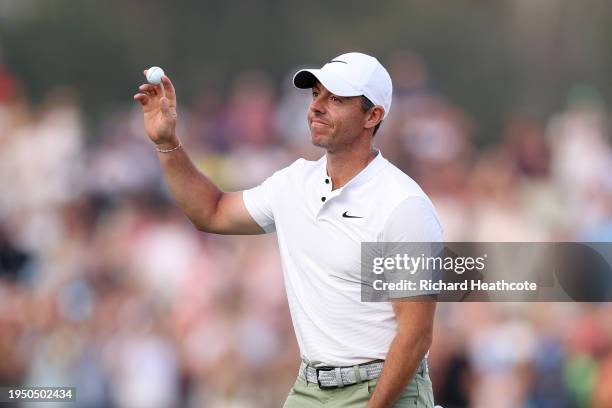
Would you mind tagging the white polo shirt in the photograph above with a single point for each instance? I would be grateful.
(320, 250)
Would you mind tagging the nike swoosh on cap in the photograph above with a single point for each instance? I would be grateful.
(346, 215)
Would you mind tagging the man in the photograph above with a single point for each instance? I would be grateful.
(355, 354)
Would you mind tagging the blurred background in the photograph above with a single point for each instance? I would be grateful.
(501, 113)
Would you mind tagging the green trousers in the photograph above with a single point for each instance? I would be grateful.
(418, 394)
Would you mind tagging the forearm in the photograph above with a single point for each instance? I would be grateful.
(403, 359)
(198, 197)
(195, 194)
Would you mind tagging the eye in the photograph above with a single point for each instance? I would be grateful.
(315, 94)
(334, 98)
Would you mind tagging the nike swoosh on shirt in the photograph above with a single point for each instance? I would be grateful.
(346, 215)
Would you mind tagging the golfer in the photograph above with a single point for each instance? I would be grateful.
(354, 353)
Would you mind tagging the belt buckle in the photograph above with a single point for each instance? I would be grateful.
(321, 386)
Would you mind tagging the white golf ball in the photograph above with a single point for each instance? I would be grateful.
(154, 75)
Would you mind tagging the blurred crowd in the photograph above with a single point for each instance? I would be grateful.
(106, 286)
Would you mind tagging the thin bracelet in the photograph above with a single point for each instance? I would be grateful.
(169, 150)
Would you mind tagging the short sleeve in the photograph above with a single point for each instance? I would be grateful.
(258, 202)
(413, 220)
(412, 231)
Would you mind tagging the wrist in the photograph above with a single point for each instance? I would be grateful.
(168, 146)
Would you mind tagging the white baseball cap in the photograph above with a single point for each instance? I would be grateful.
(352, 74)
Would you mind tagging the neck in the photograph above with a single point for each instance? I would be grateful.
(343, 165)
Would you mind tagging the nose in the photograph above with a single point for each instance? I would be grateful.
(317, 105)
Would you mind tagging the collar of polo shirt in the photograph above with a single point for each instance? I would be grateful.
(325, 192)
(363, 176)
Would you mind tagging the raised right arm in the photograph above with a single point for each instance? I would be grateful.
(208, 208)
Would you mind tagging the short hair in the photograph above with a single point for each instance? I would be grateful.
(366, 105)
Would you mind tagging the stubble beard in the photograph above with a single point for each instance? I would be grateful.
(322, 142)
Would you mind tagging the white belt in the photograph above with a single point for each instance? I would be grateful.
(338, 377)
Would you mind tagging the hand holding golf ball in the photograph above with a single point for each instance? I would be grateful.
(158, 101)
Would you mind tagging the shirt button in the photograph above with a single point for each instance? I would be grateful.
(323, 199)
(326, 181)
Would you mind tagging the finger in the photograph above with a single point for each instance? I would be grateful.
(151, 89)
(142, 98)
(169, 88)
(146, 87)
(145, 72)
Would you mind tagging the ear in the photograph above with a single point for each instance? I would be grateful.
(374, 117)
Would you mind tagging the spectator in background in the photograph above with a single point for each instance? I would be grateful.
(430, 139)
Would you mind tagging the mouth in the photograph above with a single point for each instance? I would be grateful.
(318, 123)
